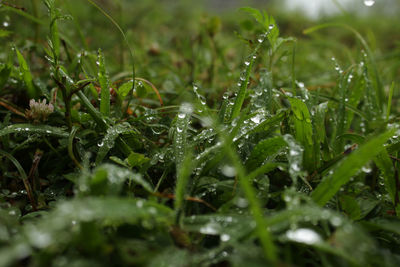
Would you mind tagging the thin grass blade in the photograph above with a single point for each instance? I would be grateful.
(348, 167)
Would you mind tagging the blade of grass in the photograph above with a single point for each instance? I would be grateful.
(303, 130)
(71, 147)
(182, 179)
(389, 105)
(126, 42)
(23, 175)
(34, 129)
(262, 231)
(348, 167)
(26, 75)
(104, 85)
(384, 163)
(377, 83)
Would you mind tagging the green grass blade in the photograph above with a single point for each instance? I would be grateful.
(263, 150)
(26, 75)
(104, 85)
(94, 113)
(5, 72)
(124, 38)
(348, 167)
(25, 128)
(385, 165)
(182, 180)
(237, 106)
(22, 13)
(377, 83)
(389, 105)
(108, 142)
(54, 34)
(180, 133)
(254, 205)
(301, 120)
(21, 170)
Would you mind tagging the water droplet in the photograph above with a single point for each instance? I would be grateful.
(247, 63)
(179, 130)
(228, 171)
(100, 144)
(257, 118)
(225, 237)
(181, 115)
(304, 235)
(295, 167)
(242, 202)
(271, 26)
(336, 221)
(366, 169)
(210, 229)
(139, 203)
(12, 212)
(6, 24)
(369, 2)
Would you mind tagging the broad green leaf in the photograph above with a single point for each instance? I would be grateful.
(137, 160)
(124, 89)
(348, 167)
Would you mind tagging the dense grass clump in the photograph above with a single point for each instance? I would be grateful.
(136, 133)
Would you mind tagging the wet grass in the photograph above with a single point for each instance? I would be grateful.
(165, 139)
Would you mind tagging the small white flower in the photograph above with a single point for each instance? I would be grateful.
(39, 111)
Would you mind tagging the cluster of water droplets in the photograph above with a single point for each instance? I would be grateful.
(337, 66)
(181, 125)
(262, 37)
(216, 225)
(248, 125)
(200, 97)
(295, 158)
(112, 133)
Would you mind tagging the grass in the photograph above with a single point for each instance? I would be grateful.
(162, 138)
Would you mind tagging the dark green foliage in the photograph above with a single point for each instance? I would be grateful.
(202, 148)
